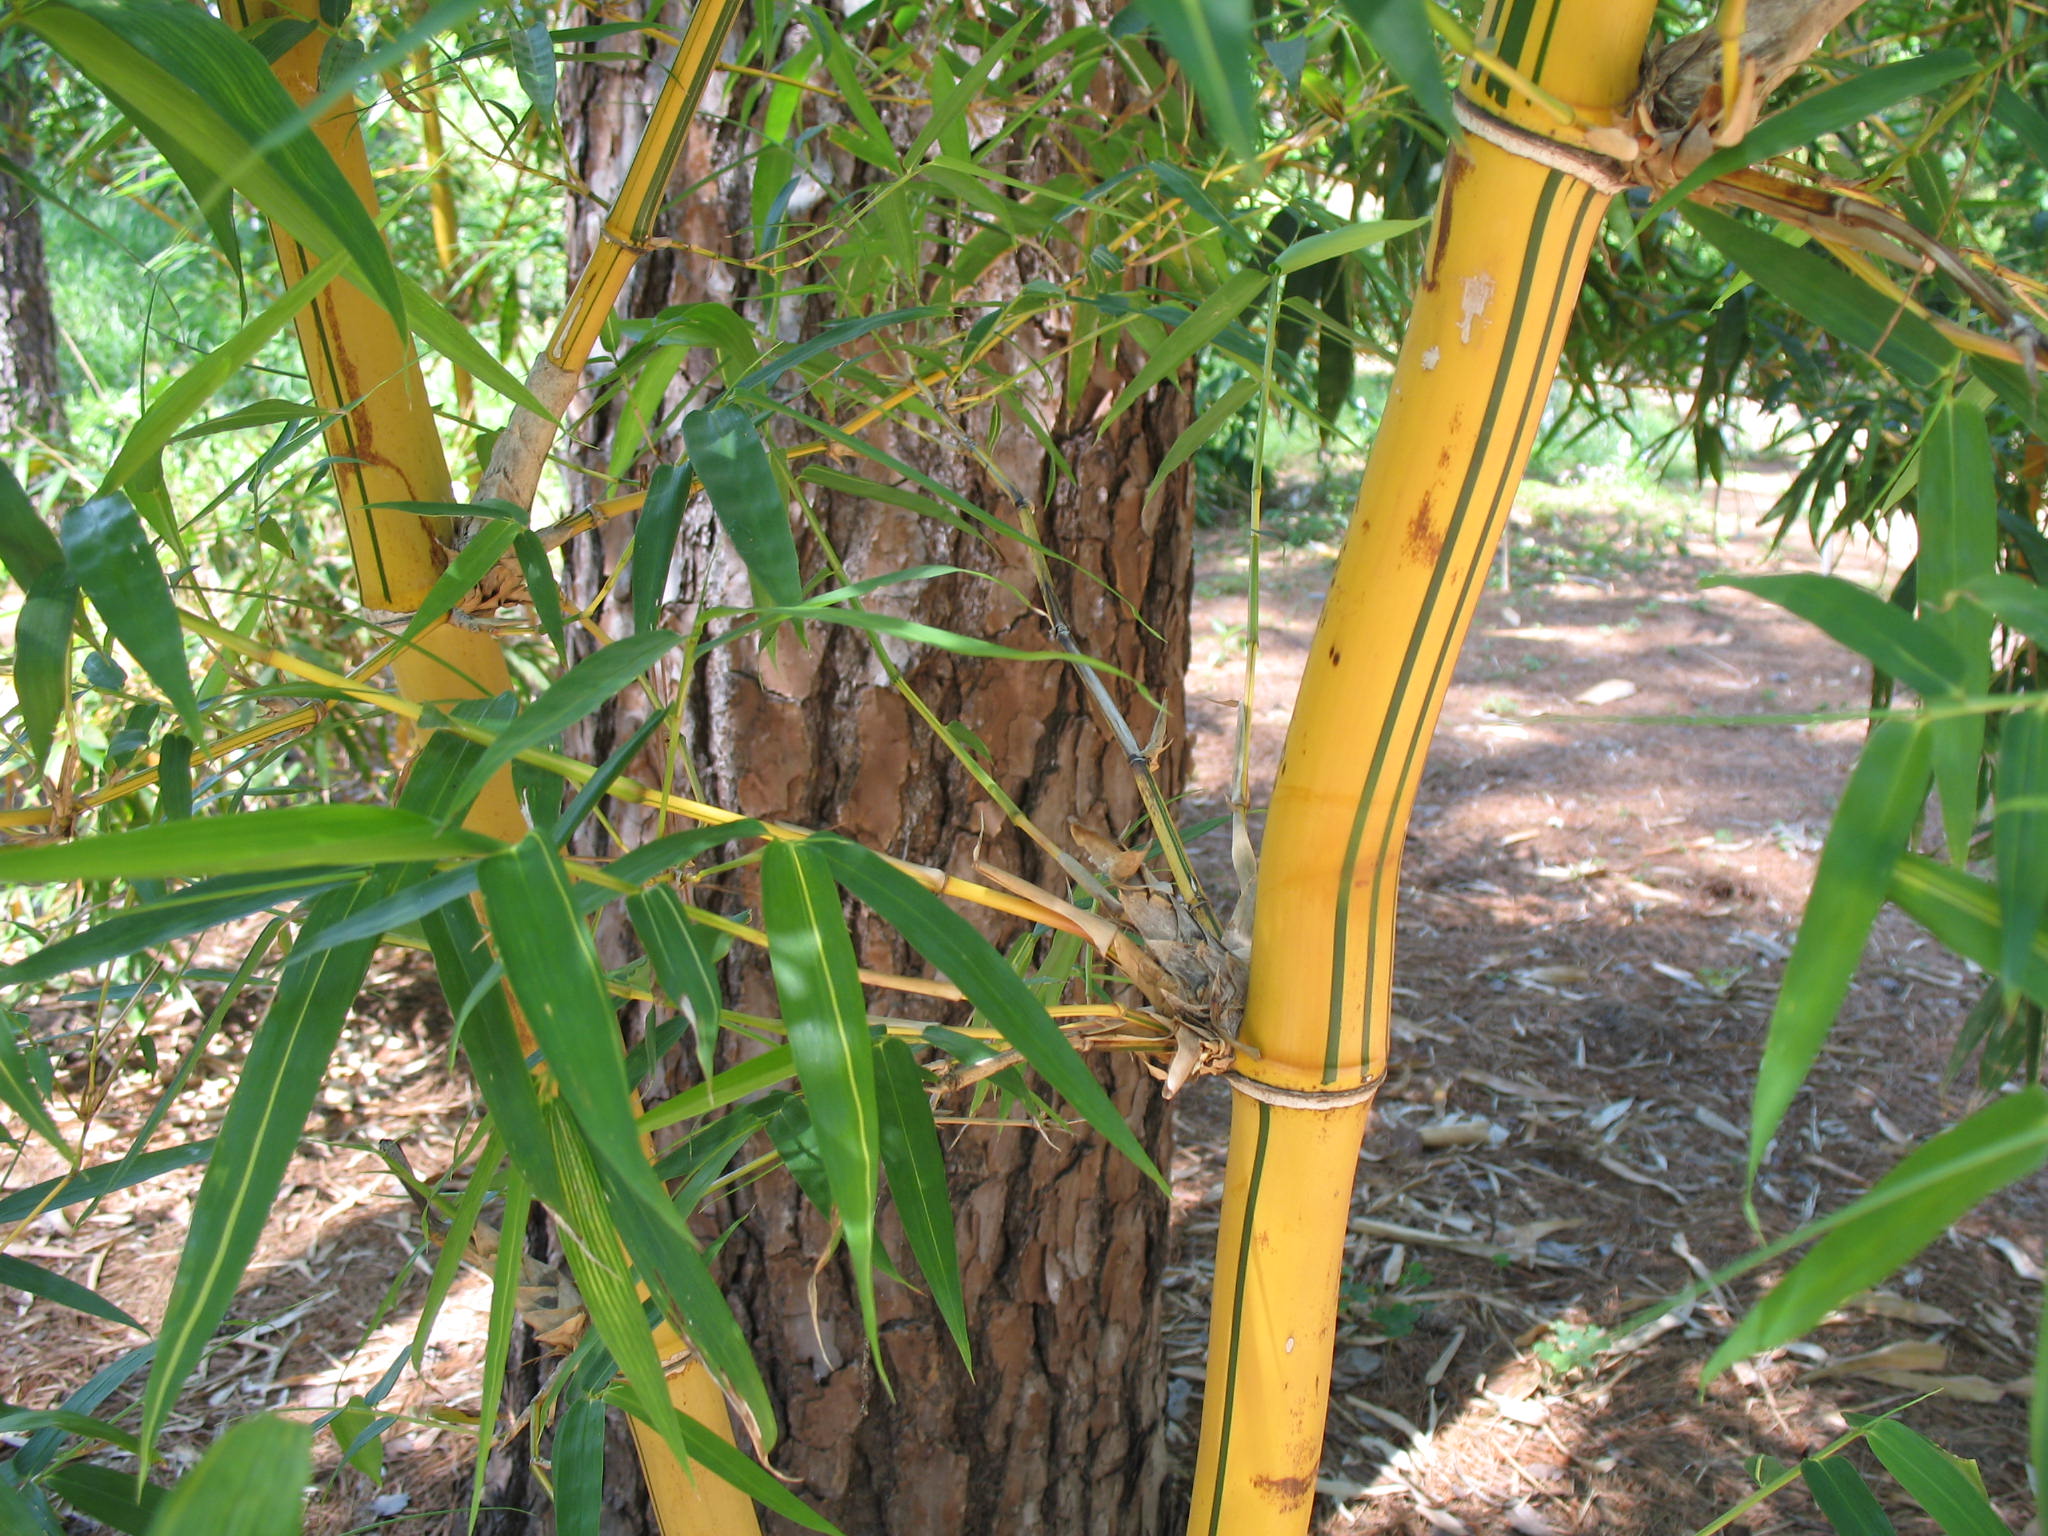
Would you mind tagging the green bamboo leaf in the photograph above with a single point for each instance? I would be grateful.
(683, 962)
(1879, 810)
(194, 87)
(499, 1330)
(730, 460)
(972, 964)
(470, 565)
(1400, 33)
(2024, 119)
(578, 1459)
(358, 1431)
(1332, 243)
(42, 655)
(181, 399)
(575, 694)
(106, 1494)
(1212, 42)
(951, 106)
(259, 1136)
(102, 1179)
(251, 1482)
(20, 1091)
(654, 542)
(533, 60)
(462, 1224)
(37, 1281)
(439, 331)
(1957, 517)
(913, 632)
(1838, 1488)
(14, 1421)
(916, 1166)
(27, 547)
(1223, 305)
(607, 774)
(2020, 830)
(542, 587)
(1964, 913)
(1949, 1488)
(825, 1012)
(1201, 430)
(297, 837)
(1891, 640)
(193, 909)
(1833, 298)
(1826, 111)
(1925, 1192)
(834, 337)
(2016, 602)
(554, 972)
(174, 777)
(398, 910)
(111, 559)
(17, 1516)
(665, 853)
(753, 1075)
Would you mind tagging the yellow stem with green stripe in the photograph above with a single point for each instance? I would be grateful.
(1506, 257)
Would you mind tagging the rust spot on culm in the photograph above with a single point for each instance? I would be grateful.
(1287, 1492)
(1425, 540)
(1336, 657)
(1455, 170)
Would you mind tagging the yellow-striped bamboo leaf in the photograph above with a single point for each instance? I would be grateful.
(825, 1012)
(1212, 42)
(1833, 298)
(554, 972)
(190, 82)
(1225, 302)
(1963, 912)
(1844, 1497)
(1925, 1192)
(27, 547)
(290, 837)
(42, 655)
(259, 1135)
(683, 962)
(966, 959)
(1948, 1487)
(572, 696)
(178, 401)
(1879, 810)
(21, 1092)
(112, 562)
(728, 457)
(1891, 640)
(37, 1281)
(105, 1494)
(250, 1482)
(1828, 110)
(1400, 34)
(654, 543)
(916, 1166)
(1956, 513)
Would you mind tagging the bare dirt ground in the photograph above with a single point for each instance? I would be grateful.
(1596, 909)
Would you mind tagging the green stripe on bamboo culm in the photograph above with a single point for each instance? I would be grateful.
(1538, 392)
(1391, 718)
(1244, 1261)
(1514, 33)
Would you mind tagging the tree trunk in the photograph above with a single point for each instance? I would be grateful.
(31, 396)
(1062, 1243)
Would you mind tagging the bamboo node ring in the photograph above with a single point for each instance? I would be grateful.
(1306, 1098)
(1597, 171)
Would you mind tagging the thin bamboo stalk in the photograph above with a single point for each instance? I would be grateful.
(1506, 257)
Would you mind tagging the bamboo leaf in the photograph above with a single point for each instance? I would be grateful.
(753, 1075)
(1223, 305)
(1833, 298)
(17, 1516)
(542, 587)
(107, 1495)
(111, 559)
(2020, 828)
(533, 60)
(971, 963)
(729, 458)
(502, 1326)
(1201, 430)
(575, 694)
(259, 1136)
(1400, 34)
(1891, 640)
(27, 547)
(37, 1281)
(683, 962)
(654, 542)
(608, 771)
(181, 399)
(20, 1091)
(42, 655)
(1926, 1191)
(191, 910)
(578, 1460)
(470, 565)
(1211, 40)
(1844, 1498)
(825, 1012)
(2016, 602)
(250, 1482)
(665, 853)
(441, 332)
(1332, 243)
(102, 1179)
(291, 837)
(204, 94)
(1957, 517)
(1880, 807)
(916, 1166)
(1963, 912)
(1949, 1488)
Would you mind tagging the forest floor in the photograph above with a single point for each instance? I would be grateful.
(1597, 901)
(1600, 888)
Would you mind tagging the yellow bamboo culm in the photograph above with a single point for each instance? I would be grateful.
(1505, 260)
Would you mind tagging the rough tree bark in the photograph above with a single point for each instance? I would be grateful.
(31, 394)
(1060, 1429)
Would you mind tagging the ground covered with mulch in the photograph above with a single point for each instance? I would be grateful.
(1600, 890)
